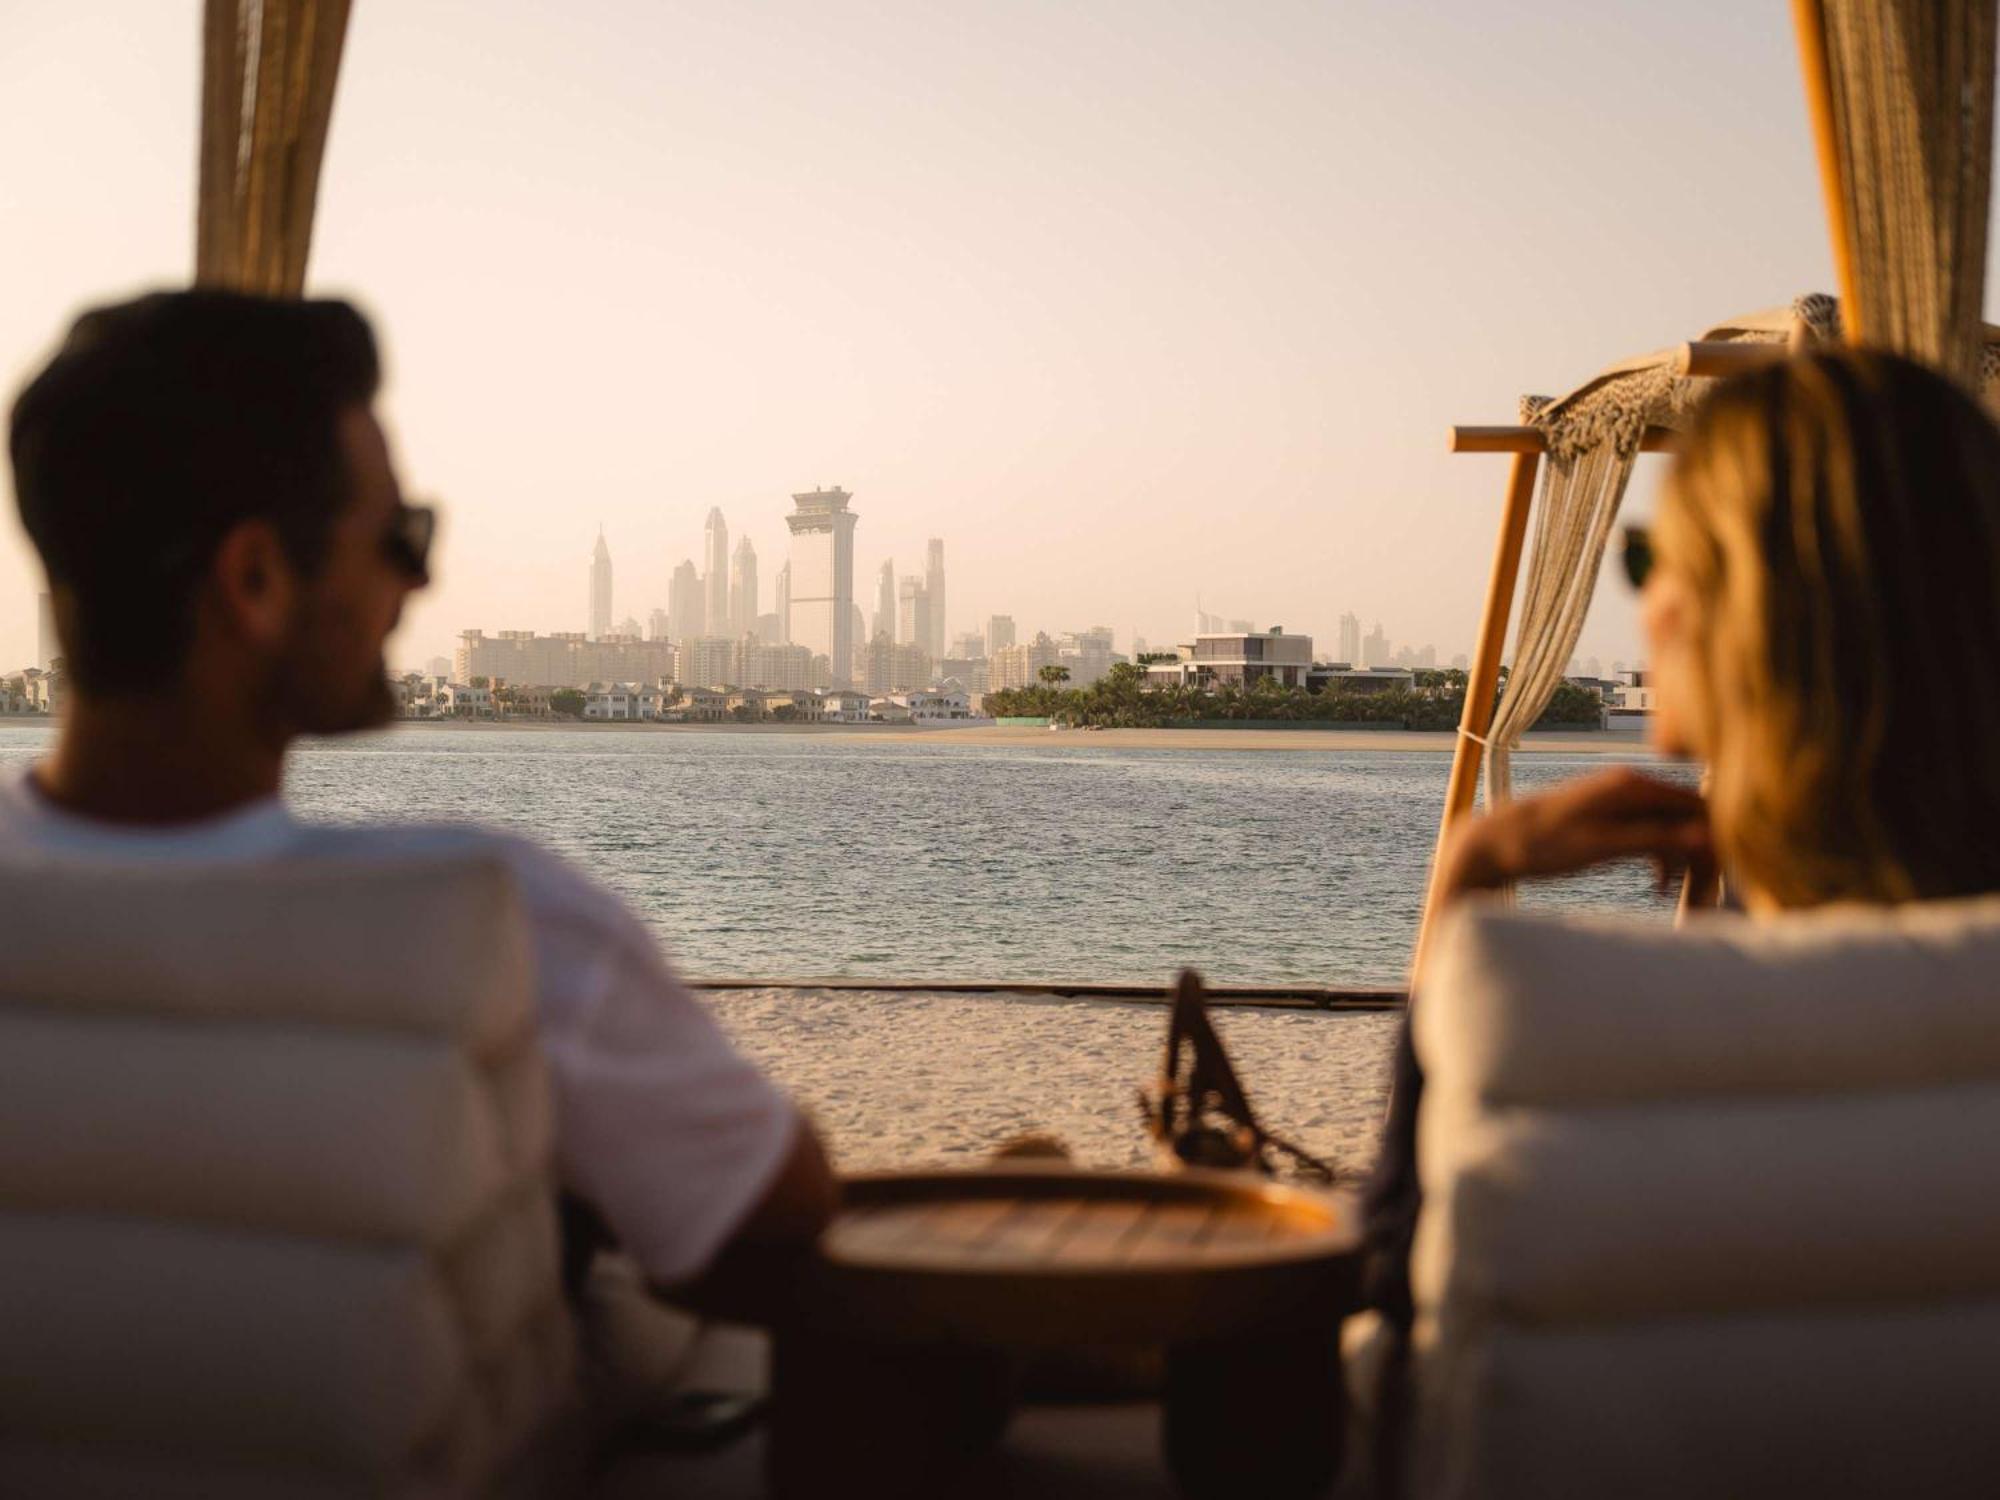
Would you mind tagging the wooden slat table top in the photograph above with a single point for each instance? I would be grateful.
(1048, 1256)
(1069, 1222)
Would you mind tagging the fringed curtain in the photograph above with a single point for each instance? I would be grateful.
(268, 71)
(1583, 482)
(1593, 438)
(1911, 89)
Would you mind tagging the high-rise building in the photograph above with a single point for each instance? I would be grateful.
(821, 604)
(1138, 645)
(966, 645)
(884, 622)
(934, 587)
(1375, 648)
(600, 588)
(857, 635)
(784, 668)
(710, 661)
(1350, 639)
(783, 590)
(913, 615)
(715, 547)
(684, 603)
(627, 629)
(999, 634)
(895, 667)
(1020, 666)
(47, 645)
(743, 589)
(566, 660)
(656, 626)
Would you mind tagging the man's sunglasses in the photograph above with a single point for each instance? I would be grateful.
(406, 541)
(1638, 555)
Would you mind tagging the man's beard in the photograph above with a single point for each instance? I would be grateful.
(323, 684)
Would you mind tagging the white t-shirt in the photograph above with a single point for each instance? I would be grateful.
(660, 1124)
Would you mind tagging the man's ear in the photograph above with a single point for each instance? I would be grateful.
(253, 585)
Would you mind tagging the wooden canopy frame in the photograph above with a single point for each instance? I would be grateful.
(1526, 444)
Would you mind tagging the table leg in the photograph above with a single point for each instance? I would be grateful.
(849, 1416)
(1265, 1415)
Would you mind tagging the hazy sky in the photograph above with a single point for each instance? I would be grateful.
(1128, 302)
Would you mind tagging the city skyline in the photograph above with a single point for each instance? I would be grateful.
(1240, 273)
(905, 609)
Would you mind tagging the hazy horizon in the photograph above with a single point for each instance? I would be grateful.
(1129, 303)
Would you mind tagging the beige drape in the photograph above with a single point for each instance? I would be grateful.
(1910, 83)
(268, 71)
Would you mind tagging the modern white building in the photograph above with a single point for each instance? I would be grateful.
(821, 611)
(600, 588)
(1239, 658)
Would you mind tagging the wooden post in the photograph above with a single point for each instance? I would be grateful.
(1484, 678)
(1816, 64)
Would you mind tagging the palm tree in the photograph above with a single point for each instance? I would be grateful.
(1053, 674)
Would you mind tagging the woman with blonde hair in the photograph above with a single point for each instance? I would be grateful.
(1820, 597)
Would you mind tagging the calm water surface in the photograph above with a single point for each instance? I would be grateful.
(815, 856)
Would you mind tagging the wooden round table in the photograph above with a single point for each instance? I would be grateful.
(896, 1359)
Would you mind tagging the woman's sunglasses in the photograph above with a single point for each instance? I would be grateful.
(406, 542)
(1638, 554)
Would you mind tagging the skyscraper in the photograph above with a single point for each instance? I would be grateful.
(1350, 639)
(715, 544)
(885, 602)
(1375, 648)
(684, 603)
(656, 626)
(999, 633)
(934, 586)
(600, 589)
(47, 646)
(783, 589)
(913, 616)
(822, 578)
(743, 589)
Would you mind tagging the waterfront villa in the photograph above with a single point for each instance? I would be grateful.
(1237, 659)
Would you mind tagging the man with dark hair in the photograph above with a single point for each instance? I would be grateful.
(228, 549)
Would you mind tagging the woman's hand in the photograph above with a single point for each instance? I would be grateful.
(1621, 814)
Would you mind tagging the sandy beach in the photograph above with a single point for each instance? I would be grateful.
(912, 1079)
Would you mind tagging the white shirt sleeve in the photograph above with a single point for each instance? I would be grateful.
(669, 1132)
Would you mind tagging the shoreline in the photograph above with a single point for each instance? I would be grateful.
(1630, 744)
(1622, 743)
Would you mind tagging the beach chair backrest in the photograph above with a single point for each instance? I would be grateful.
(275, 1210)
(1710, 1211)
